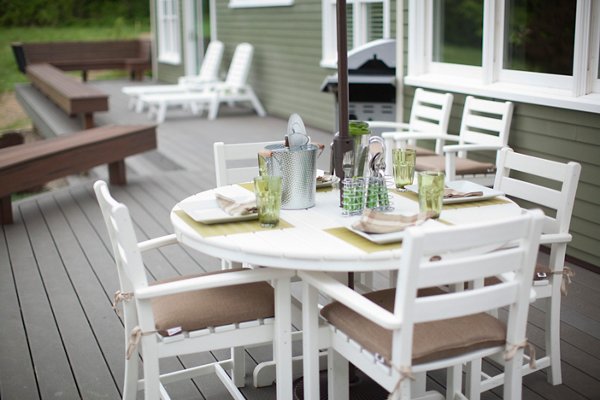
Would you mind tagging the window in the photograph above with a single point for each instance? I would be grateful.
(533, 51)
(367, 20)
(259, 3)
(169, 46)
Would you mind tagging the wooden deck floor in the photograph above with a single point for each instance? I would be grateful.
(59, 337)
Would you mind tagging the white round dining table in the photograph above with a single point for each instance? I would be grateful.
(316, 238)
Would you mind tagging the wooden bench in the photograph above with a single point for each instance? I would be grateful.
(32, 164)
(130, 55)
(72, 96)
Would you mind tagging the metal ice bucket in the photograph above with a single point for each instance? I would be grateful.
(297, 167)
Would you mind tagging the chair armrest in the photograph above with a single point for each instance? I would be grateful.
(388, 124)
(213, 281)
(454, 148)
(157, 242)
(548, 238)
(342, 293)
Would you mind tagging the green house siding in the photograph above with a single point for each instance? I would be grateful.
(285, 73)
(287, 50)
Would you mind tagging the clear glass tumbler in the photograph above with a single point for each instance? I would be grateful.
(268, 199)
(403, 163)
(431, 192)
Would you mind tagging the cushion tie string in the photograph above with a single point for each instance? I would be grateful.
(119, 297)
(567, 274)
(405, 373)
(511, 350)
(134, 338)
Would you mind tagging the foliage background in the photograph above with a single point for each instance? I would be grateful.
(65, 12)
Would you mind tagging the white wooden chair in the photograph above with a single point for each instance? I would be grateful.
(234, 89)
(430, 112)
(485, 126)
(392, 334)
(559, 202)
(208, 74)
(184, 315)
(237, 162)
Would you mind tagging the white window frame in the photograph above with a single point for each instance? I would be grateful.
(259, 3)
(359, 38)
(580, 91)
(169, 32)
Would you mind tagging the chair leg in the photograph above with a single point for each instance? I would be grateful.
(239, 366)
(161, 112)
(553, 338)
(337, 372)
(213, 108)
(151, 368)
(131, 377)
(453, 381)
(513, 377)
(255, 102)
(473, 384)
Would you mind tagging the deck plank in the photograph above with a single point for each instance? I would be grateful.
(17, 378)
(51, 363)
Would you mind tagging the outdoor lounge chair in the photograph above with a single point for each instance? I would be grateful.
(234, 89)
(209, 73)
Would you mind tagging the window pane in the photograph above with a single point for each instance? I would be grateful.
(374, 28)
(539, 36)
(457, 31)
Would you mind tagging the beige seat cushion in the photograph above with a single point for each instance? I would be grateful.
(213, 307)
(422, 151)
(432, 340)
(464, 166)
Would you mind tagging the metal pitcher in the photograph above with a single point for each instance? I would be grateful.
(297, 167)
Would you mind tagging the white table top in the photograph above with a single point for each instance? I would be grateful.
(308, 246)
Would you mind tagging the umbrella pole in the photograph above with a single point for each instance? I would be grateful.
(342, 142)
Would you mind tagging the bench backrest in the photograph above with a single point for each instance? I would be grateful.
(58, 52)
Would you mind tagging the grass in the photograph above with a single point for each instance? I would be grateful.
(9, 74)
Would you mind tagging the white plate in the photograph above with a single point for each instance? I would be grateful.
(464, 186)
(385, 238)
(203, 208)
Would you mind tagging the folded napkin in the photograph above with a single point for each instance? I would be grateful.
(324, 178)
(373, 221)
(453, 194)
(234, 202)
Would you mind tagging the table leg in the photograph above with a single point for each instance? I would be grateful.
(282, 345)
(310, 341)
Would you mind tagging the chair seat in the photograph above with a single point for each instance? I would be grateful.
(464, 166)
(432, 340)
(196, 310)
